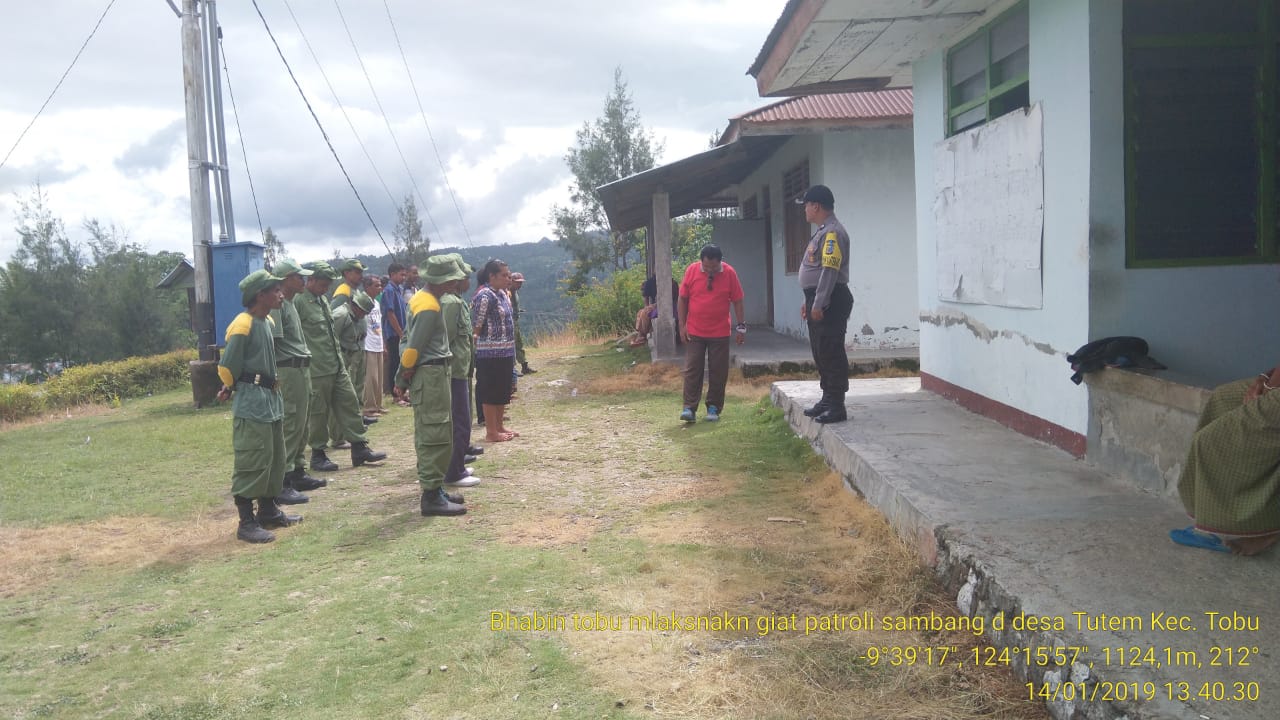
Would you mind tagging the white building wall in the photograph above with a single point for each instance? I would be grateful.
(1018, 356)
(1208, 324)
(742, 242)
(870, 173)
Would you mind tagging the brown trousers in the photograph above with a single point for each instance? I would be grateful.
(711, 355)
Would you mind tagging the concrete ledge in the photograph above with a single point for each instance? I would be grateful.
(1015, 527)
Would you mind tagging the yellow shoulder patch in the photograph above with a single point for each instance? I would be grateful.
(423, 300)
(343, 289)
(832, 257)
(240, 326)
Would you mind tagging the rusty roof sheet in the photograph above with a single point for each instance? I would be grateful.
(873, 105)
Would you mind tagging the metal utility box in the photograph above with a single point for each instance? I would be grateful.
(231, 262)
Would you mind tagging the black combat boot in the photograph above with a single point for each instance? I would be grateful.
(361, 454)
(298, 479)
(524, 368)
(289, 496)
(250, 530)
(321, 462)
(455, 498)
(835, 411)
(475, 450)
(436, 502)
(270, 515)
(818, 407)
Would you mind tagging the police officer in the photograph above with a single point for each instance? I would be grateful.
(331, 390)
(424, 376)
(247, 369)
(824, 278)
(350, 327)
(293, 370)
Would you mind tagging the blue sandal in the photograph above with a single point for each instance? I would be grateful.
(1191, 537)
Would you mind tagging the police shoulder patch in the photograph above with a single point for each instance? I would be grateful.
(832, 256)
(240, 326)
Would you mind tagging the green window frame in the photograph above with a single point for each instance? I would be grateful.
(1201, 142)
(988, 73)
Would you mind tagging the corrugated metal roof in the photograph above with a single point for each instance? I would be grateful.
(872, 105)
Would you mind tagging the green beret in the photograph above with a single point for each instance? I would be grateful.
(288, 266)
(322, 270)
(254, 283)
(362, 300)
(442, 269)
(351, 264)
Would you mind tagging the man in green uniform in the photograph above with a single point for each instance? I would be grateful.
(517, 282)
(460, 288)
(293, 370)
(352, 272)
(424, 377)
(457, 323)
(349, 326)
(331, 390)
(247, 369)
(352, 279)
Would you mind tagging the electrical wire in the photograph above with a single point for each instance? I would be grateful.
(60, 81)
(430, 136)
(240, 131)
(386, 119)
(338, 102)
(315, 117)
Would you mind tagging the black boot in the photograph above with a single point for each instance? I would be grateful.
(361, 454)
(270, 515)
(475, 450)
(436, 502)
(524, 368)
(321, 462)
(298, 479)
(835, 411)
(289, 496)
(818, 407)
(455, 498)
(250, 531)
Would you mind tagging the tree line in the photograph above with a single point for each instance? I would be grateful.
(65, 302)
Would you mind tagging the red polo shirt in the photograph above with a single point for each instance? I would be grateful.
(709, 309)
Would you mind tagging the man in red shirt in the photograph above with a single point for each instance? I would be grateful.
(710, 286)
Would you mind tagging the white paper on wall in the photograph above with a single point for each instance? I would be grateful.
(988, 211)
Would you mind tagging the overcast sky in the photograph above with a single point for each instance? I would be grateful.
(505, 85)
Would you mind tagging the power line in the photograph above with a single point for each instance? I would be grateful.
(338, 102)
(315, 117)
(66, 72)
(423, 113)
(386, 119)
(240, 131)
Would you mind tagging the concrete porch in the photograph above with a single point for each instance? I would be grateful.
(1014, 526)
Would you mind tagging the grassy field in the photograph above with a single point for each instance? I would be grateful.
(123, 592)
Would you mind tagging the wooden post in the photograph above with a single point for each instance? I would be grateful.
(664, 326)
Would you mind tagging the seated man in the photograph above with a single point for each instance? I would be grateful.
(1230, 483)
(647, 314)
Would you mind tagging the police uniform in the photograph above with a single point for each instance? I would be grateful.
(425, 355)
(293, 372)
(824, 278)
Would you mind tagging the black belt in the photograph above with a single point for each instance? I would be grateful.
(260, 379)
(434, 361)
(298, 362)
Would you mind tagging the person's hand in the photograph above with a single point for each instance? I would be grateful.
(224, 394)
(400, 393)
(1256, 390)
(815, 314)
(684, 334)
(804, 312)
(742, 337)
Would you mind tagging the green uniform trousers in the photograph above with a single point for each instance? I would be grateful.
(259, 462)
(521, 360)
(332, 395)
(354, 360)
(432, 423)
(295, 389)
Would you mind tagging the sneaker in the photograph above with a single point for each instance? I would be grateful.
(713, 413)
(687, 415)
(464, 481)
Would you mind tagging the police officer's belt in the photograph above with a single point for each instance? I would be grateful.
(266, 381)
(298, 362)
(434, 361)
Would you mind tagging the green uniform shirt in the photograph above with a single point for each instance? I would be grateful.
(457, 324)
(426, 338)
(250, 351)
(317, 328)
(349, 330)
(341, 296)
(287, 330)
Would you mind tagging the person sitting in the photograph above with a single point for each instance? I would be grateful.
(647, 314)
(1230, 484)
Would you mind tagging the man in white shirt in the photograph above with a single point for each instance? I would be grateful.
(373, 349)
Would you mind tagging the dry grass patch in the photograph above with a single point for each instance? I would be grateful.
(552, 531)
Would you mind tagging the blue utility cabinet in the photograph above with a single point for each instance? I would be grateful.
(231, 262)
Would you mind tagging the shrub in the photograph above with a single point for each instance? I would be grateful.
(120, 379)
(609, 308)
(20, 401)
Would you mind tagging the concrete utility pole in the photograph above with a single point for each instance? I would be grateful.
(193, 74)
(222, 186)
(664, 327)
